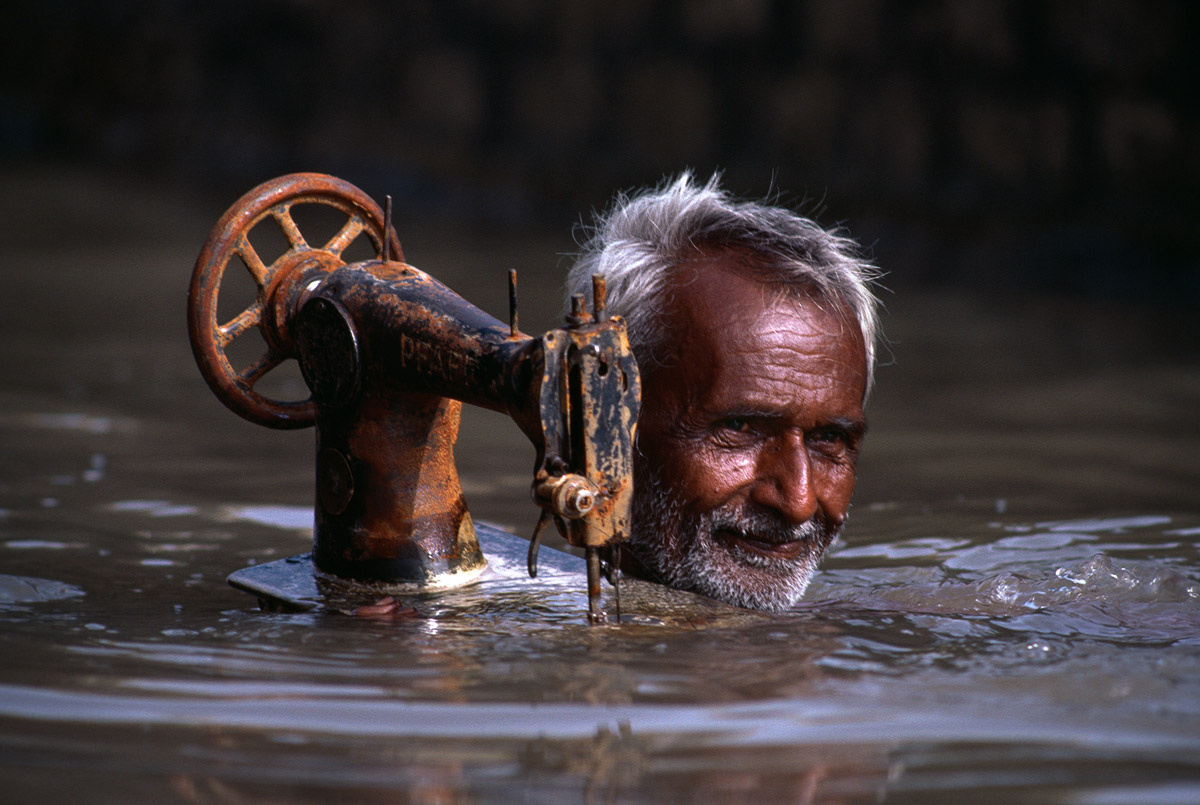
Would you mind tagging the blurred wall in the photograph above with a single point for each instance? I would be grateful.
(1049, 145)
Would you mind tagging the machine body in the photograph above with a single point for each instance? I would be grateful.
(390, 355)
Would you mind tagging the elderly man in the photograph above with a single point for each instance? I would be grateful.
(754, 330)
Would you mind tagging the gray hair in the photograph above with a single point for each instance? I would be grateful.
(637, 243)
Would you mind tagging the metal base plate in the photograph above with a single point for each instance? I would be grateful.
(295, 585)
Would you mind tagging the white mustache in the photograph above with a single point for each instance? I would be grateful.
(761, 526)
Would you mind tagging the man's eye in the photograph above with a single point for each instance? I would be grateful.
(829, 434)
(736, 424)
(734, 432)
(829, 437)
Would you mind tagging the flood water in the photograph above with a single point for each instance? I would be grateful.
(1011, 615)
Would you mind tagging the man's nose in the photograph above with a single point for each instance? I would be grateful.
(785, 480)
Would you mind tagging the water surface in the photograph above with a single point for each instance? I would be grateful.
(1012, 614)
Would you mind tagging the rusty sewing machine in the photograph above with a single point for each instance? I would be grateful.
(389, 355)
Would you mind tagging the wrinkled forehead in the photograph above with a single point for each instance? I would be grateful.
(733, 288)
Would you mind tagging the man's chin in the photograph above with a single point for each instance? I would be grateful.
(747, 559)
(743, 573)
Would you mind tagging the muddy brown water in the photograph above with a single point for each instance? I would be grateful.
(1012, 614)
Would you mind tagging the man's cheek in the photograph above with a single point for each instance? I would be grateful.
(836, 488)
(717, 478)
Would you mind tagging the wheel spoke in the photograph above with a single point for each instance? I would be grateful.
(254, 372)
(250, 317)
(349, 231)
(283, 215)
(253, 262)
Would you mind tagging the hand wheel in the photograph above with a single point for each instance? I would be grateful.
(210, 338)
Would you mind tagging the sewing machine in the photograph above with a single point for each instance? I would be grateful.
(390, 355)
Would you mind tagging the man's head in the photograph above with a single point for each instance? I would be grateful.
(754, 332)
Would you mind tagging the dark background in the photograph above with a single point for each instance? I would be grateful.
(1008, 146)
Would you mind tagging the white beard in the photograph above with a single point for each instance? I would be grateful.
(683, 551)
